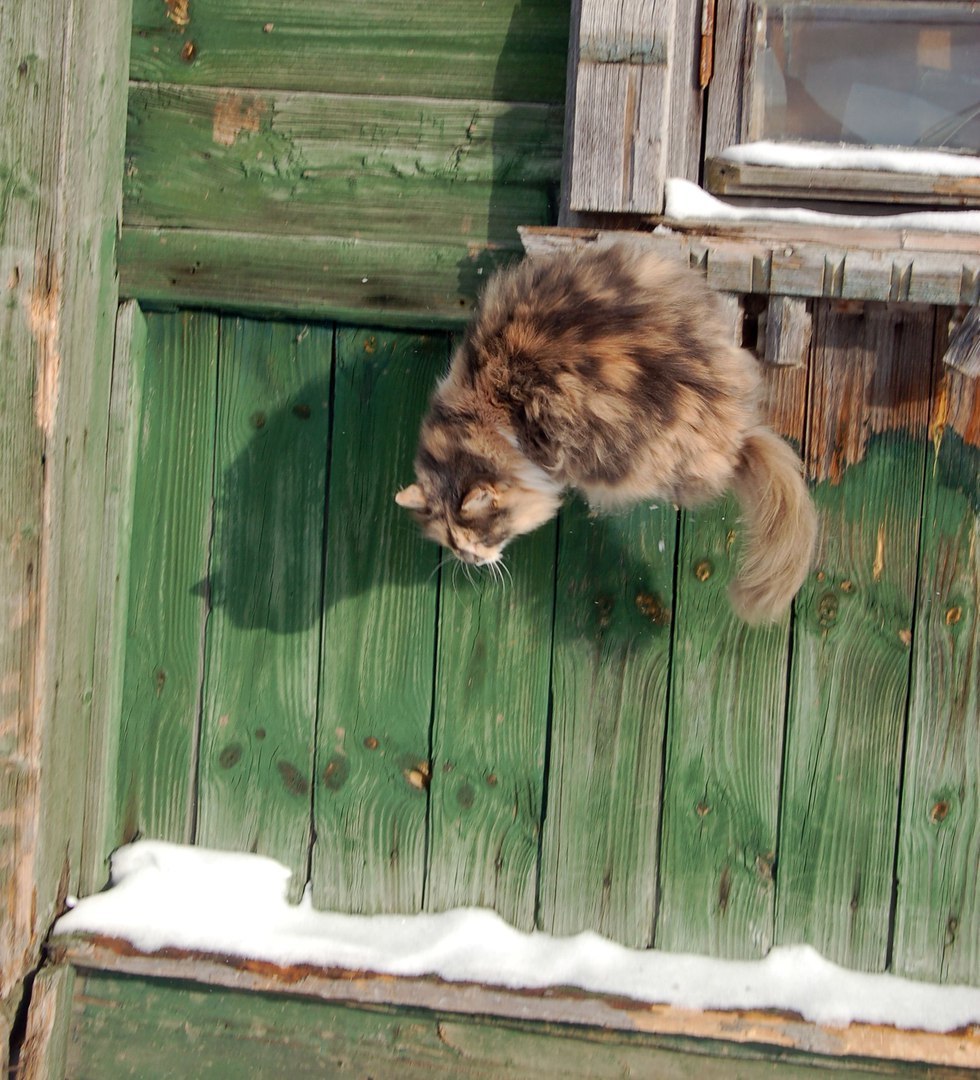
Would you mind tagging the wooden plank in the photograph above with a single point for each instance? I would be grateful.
(28, 146)
(865, 453)
(489, 731)
(614, 612)
(455, 172)
(565, 1006)
(125, 406)
(62, 109)
(316, 277)
(724, 177)
(637, 111)
(723, 114)
(148, 1029)
(476, 49)
(379, 627)
(725, 736)
(937, 917)
(803, 261)
(789, 325)
(44, 1052)
(963, 352)
(167, 608)
(262, 649)
(621, 98)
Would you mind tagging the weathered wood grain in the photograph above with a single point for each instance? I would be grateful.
(155, 1028)
(565, 1005)
(725, 736)
(62, 110)
(637, 112)
(489, 730)
(100, 827)
(803, 261)
(44, 1052)
(379, 632)
(937, 917)
(870, 185)
(338, 277)
(393, 169)
(614, 613)
(265, 589)
(167, 607)
(963, 351)
(475, 48)
(29, 146)
(723, 113)
(870, 384)
(789, 326)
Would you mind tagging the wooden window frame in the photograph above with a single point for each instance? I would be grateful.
(731, 121)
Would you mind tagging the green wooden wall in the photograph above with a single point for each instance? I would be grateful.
(598, 743)
(345, 158)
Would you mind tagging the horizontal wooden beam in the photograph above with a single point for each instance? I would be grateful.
(959, 1050)
(303, 164)
(472, 48)
(790, 260)
(870, 185)
(324, 277)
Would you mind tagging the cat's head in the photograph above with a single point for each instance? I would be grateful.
(476, 517)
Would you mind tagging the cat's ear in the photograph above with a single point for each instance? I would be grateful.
(479, 500)
(411, 498)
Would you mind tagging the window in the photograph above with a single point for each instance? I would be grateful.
(873, 74)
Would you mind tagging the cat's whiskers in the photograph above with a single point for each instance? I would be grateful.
(439, 565)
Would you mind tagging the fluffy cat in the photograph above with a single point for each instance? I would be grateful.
(609, 371)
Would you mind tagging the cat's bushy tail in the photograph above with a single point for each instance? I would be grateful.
(779, 528)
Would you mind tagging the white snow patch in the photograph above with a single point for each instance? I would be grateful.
(828, 156)
(687, 202)
(166, 895)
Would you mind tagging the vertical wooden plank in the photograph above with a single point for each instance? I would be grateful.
(167, 610)
(99, 827)
(379, 627)
(789, 326)
(636, 117)
(614, 610)
(937, 918)
(44, 1053)
(725, 736)
(62, 106)
(28, 145)
(489, 731)
(723, 119)
(849, 682)
(263, 636)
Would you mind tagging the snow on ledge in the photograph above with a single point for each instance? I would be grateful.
(875, 159)
(165, 895)
(687, 202)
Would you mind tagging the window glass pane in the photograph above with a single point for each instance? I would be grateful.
(897, 74)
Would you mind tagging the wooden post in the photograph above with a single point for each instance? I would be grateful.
(63, 122)
(635, 114)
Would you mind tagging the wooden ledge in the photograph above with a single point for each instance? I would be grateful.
(801, 260)
(958, 1050)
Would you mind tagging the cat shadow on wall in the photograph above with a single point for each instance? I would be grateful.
(268, 519)
(267, 553)
(270, 514)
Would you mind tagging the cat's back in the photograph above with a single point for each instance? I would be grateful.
(602, 323)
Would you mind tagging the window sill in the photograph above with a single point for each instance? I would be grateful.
(761, 1034)
(801, 260)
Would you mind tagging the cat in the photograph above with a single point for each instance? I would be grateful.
(609, 371)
